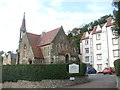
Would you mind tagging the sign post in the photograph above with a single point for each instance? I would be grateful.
(73, 68)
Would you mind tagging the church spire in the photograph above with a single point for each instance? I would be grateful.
(23, 26)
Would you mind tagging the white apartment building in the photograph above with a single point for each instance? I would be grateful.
(99, 48)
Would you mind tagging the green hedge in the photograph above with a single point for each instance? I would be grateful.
(37, 72)
(1, 60)
(117, 67)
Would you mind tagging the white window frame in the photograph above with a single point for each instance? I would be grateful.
(115, 33)
(87, 59)
(98, 46)
(86, 42)
(86, 50)
(115, 41)
(98, 36)
(116, 53)
(91, 51)
(91, 42)
(99, 56)
(91, 61)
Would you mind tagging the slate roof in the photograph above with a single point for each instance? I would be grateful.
(36, 41)
(48, 37)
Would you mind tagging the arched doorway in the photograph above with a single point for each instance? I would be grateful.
(30, 61)
(66, 58)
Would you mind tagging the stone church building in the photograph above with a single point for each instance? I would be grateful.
(46, 48)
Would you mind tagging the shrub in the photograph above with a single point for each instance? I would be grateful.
(1, 60)
(83, 68)
(117, 67)
(0, 74)
(37, 72)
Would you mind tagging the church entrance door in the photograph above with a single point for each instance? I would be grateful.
(67, 58)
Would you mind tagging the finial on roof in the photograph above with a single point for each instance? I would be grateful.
(61, 26)
(24, 15)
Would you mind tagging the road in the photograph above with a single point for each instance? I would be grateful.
(98, 81)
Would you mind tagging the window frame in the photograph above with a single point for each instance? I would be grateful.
(97, 46)
(99, 56)
(98, 38)
(86, 59)
(86, 42)
(117, 52)
(86, 49)
(115, 40)
(115, 33)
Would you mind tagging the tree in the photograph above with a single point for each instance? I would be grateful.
(116, 13)
(9, 52)
(1, 57)
(1, 52)
(103, 19)
(1, 60)
(70, 35)
(75, 31)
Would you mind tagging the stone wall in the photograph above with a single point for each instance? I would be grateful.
(118, 82)
(25, 50)
(61, 47)
(45, 83)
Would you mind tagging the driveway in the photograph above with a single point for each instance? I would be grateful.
(98, 81)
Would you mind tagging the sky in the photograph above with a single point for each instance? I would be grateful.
(46, 15)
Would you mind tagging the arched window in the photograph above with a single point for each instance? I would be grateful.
(24, 46)
(30, 61)
(24, 50)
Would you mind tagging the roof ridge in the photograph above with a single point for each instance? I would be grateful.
(43, 40)
(52, 30)
(33, 33)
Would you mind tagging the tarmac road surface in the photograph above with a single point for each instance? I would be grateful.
(98, 81)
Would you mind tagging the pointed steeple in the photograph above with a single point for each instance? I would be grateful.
(23, 26)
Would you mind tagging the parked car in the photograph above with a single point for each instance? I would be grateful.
(108, 70)
(90, 70)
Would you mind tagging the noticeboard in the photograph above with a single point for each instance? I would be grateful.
(73, 68)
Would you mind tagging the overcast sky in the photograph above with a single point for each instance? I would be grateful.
(45, 15)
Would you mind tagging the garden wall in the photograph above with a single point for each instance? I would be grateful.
(45, 83)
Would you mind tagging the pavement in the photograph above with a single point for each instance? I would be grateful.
(98, 81)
